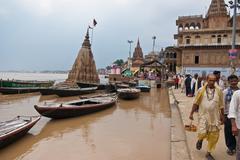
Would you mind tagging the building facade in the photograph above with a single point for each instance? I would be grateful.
(203, 42)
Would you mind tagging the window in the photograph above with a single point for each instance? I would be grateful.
(188, 41)
(174, 55)
(219, 39)
(196, 59)
(167, 55)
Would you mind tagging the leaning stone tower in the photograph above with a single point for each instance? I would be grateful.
(84, 68)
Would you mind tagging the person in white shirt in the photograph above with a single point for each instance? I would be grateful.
(230, 139)
(219, 81)
(234, 115)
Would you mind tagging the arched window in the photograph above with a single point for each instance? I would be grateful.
(197, 39)
(198, 26)
(188, 39)
(180, 27)
(186, 26)
(167, 55)
(192, 26)
(174, 55)
(213, 39)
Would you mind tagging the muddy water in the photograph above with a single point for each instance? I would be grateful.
(131, 130)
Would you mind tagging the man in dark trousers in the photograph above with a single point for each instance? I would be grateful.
(230, 139)
(188, 85)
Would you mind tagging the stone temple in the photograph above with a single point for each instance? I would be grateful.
(84, 68)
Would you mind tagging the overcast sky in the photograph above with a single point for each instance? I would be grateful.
(47, 34)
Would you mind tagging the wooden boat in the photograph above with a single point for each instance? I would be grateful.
(11, 90)
(25, 83)
(86, 85)
(20, 86)
(113, 87)
(75, 108)
(99, 95)
(13, 129)
(66, 92)
(128, 93)
(144, 88)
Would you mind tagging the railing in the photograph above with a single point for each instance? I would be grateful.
(193, 16)
(208, 44)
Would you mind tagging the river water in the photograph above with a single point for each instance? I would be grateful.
(131, 130)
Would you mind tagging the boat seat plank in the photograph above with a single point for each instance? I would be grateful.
(8, 127)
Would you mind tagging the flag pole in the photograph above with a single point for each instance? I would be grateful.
(92, 36)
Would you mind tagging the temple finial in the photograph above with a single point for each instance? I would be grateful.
(86, 42)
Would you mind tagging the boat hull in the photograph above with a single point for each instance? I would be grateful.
(144, 88)
(128, 94)
(9, 90)
(12, 136)
(86, 85)
(67, 92)
(60, 112)
(25, 83)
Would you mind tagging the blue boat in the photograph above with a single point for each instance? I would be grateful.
(144, 88)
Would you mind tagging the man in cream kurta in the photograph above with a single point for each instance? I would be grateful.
(209, 104)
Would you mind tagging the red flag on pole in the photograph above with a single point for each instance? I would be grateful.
(94, 22)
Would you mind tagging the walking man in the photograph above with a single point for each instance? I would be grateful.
(188, 85)
(219, 81)
(209, 104)
(234, 115)
(230, 139)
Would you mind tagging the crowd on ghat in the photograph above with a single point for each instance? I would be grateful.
(216, 102)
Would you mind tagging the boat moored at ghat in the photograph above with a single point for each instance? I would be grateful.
(128, 93)
(23, 86)
(25, 83)
(75, 108)
(13, 129)
(144, 88)
(66, 92)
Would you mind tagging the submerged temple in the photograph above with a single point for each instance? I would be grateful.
(84, 68)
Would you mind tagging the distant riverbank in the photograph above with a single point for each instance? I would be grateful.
(58, 77)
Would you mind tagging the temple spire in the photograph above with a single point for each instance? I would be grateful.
(138, 51)
(138, 44)
(216, 8)
(84, 68)
(86, 42)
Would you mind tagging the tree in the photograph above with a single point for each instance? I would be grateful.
(108, 67)
(119, 62)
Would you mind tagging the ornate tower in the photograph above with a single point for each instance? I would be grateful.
(217, 8)
(84, 68)
(137, 55)
(217, 16)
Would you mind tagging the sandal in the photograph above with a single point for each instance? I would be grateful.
(209, 156)
(230, 152)
(199, 144)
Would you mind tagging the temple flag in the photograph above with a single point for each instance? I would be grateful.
(94, 22)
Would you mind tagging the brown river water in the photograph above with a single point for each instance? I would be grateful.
(131, 130)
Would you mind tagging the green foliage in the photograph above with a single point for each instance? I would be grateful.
(119, 62)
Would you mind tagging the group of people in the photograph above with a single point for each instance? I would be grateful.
(190, 84)
(216, 105)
